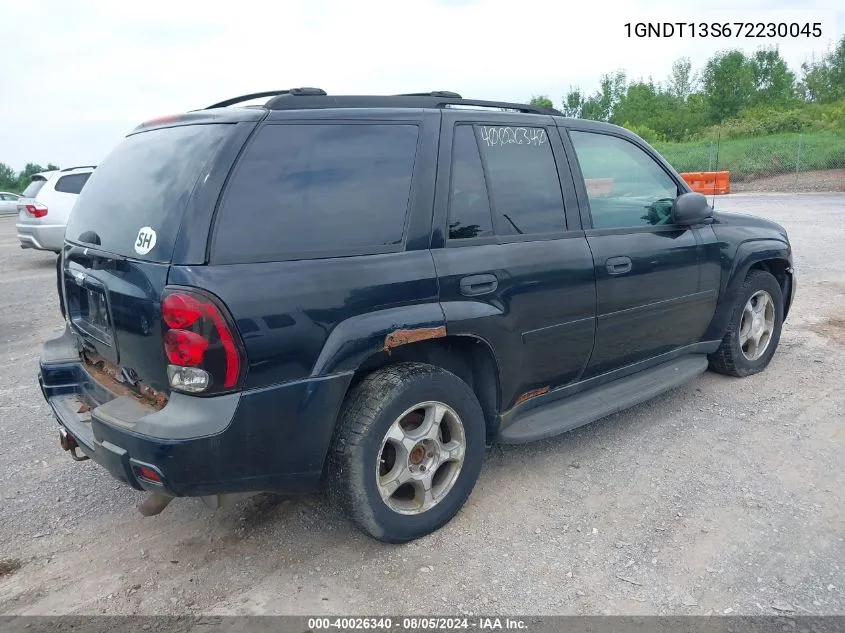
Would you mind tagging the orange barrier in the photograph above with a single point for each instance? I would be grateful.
(708, 182)
(599, 187)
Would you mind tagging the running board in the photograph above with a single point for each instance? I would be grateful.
(569, 413)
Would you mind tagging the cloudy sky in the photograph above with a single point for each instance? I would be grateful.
(76, 76)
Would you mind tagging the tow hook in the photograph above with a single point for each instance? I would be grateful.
(68, 443)
(154, 504)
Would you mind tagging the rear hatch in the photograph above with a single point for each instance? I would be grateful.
(120, 241)
(28, 207)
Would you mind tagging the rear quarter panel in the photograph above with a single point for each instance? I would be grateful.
(288, 312)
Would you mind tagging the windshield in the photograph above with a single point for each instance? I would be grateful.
(135, 199)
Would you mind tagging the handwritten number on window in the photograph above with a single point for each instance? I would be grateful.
(503, 136)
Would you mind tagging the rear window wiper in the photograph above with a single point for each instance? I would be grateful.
(81, 250)
(516, 228)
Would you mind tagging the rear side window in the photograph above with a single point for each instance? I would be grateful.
(136, 198)
(318, 190)
(469, 206)
(33, 188)
(523, 179)
(72, 183)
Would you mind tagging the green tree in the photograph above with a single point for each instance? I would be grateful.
(757, 92)
(694, 116)
(600, 106)
(728, 80)
(824, 81)
(681, 83)
(8, 177)
(637, 105)
(774, 83)
(28, 171)
(573, 102)
(543, 101)
(836, 62)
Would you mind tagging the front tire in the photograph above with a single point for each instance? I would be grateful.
(754, 330)
(408, 451)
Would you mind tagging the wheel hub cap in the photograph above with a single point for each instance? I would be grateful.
(757, 325)
(417, 455)
(421, 458)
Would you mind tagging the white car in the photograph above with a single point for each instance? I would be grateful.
(8, 202)
(45, 205)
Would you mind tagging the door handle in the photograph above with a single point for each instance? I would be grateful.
(475, 285)
(619, 265)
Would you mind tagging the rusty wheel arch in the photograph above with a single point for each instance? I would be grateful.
(470, 358)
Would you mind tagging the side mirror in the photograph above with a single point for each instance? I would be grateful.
(691, 208)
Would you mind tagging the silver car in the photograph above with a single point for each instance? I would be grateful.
(45, 206)
(8, 202)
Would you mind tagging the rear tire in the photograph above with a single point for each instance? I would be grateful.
(738, 355)
(417, 430)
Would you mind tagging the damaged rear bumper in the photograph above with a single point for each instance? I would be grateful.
(272, 439)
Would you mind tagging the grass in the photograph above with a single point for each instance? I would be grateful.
(760, 156)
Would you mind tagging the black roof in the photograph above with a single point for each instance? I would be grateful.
(315, 98)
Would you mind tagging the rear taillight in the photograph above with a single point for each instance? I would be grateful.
(184, 347)
(36, 210)
(202, 348)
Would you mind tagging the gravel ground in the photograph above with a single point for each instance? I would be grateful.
(722, 496)
(814, 181)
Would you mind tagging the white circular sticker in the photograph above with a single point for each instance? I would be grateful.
(146, 240)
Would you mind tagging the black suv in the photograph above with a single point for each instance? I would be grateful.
(367, 291)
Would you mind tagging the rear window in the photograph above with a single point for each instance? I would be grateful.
(315, 190)
(72, 183)
(135, 199)
(33, 188)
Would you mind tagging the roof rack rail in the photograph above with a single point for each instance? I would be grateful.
(79, 167)
(308, 92)
(297, 92)
(436, 93)
(500, 105)
(249, 97)
(287, 101)
(319, 99)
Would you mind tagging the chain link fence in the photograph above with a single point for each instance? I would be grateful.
(812, 161)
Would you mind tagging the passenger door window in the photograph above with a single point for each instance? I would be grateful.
(625, 186)
(523, 180)
(469, 205)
